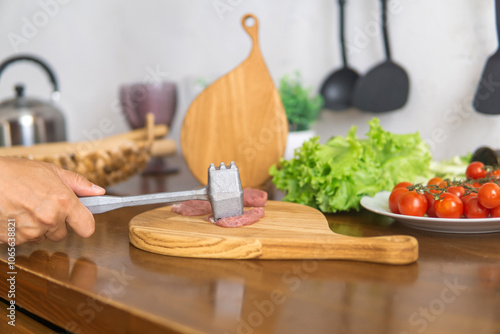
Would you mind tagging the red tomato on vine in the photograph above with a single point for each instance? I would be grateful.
(448, 206)
(394, 198)
(402, 185)
(435, 180)
(475, 170)
(489, 195)
(495, 212)
(412, 203)
(456, 190)
(473, 209)
(430, 205)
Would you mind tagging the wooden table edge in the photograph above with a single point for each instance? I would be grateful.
(30, 297)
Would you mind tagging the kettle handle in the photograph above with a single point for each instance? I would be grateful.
(47, 69)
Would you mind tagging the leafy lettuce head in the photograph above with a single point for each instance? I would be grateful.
(335, 176)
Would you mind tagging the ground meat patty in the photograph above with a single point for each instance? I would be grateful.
(249, 217)
(193, 208)
(254, 197)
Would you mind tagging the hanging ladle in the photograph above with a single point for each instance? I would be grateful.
(338, 88)
(386, 86)
(487, 98)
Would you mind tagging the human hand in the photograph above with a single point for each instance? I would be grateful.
(42, 198)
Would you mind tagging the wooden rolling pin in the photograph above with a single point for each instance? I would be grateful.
(163, 148)
(40, 150)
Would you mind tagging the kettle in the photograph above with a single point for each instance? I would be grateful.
(27, 121)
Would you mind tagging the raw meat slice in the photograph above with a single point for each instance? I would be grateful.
(251, 198)
(193, 207)
(249, 217)
(254, 197)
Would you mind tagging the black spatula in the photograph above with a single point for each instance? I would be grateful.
(487, 98)
(386, 86)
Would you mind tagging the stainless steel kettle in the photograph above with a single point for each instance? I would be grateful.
(27, 121)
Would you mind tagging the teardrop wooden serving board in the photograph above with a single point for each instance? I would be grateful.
(288, 231)
(240, 118)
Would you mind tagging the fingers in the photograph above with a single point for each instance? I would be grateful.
(81, 220)
(57, 234)
(80, 185)
(49, 220)
(52, 213)
(77, 215)
(65, 208)
(39, 240)
(28, 230)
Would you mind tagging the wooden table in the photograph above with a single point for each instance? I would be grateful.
(105, 285)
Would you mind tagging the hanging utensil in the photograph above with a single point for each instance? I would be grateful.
(487, 97)
(386, 86)
(338, 88)
(487, 156)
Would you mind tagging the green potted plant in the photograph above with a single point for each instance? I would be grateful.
(302, 108)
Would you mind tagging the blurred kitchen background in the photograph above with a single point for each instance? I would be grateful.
(96, 46)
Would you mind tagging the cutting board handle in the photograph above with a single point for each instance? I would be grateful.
(251, 26)
(394, 249)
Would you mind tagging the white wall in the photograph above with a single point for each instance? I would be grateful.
(94, 46)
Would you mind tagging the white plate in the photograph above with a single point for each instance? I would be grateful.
(379, 204)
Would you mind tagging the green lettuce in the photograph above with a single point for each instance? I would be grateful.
(335, 176)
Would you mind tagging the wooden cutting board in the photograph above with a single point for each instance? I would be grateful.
(240, 118)
(288, 231)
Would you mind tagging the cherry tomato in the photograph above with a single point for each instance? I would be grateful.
(489, 195)
(473, 209)
(474, 184)
(475, 170)
(445, 184)
(412, 204)
(495, 212)
(495, 173)
(456, 190)
(430, 205)
(434, 180)
(402, 185)
(467, 197)
(434, 188)
(449, 206)
(394, 198)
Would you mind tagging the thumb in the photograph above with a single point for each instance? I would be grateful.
(80, 185)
